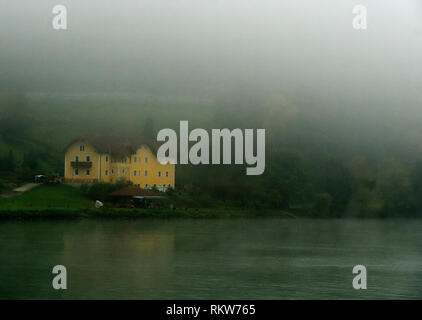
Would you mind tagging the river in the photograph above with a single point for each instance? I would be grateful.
(211, 258)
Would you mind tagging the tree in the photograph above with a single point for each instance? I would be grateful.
(335, 179)
(417, 182)
(394, 186)
(148, 128)
(15, 119)
(287, 180)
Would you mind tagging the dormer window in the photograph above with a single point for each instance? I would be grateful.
(106, 159)
(81, 147)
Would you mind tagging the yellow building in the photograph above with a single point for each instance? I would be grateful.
(110, 159)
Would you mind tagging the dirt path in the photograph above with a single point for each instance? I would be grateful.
(17, 191)
(25, 187)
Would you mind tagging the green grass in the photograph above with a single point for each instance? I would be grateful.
(65, 202)
(47, 197)
(119, 213)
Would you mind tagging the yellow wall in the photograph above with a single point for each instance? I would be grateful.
(152, 167)
(106, 169)
(70, 156)
(113, 170)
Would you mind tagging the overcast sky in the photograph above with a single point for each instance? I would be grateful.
(304, 48)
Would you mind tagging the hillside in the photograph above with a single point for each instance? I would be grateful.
(335, 161)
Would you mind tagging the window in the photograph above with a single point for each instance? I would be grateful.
(88, 158)
(123, 171)
(106, 172)
(139, 172)
(76, 172)
(135, 159)
(164, 185)
(146, 159)
(76, 158)
(155, 186)
(81, 147)
(159, 173)
(139, 185)
(106, 158)
(146, 173)
(112, 171)
(87, 172)
(134, 173)
(169, 185)
(167, 174)
(146, 185)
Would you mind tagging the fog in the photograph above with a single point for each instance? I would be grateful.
(306, 50)
(341, 107)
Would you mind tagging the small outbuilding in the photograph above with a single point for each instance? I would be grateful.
(133, 196)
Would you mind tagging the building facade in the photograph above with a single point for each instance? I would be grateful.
(111, 159)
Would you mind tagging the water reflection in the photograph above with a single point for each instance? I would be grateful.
(165, 259)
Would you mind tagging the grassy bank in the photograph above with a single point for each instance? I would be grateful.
(46, 197)
(65, 202)
(117, 213)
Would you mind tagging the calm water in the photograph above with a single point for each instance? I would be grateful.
(206, 259)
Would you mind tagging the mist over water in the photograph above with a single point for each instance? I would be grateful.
(212, 259)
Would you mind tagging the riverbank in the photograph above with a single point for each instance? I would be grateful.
(119, 213)
(65, 202)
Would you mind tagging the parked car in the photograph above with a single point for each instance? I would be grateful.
(53, 178)
(40, 178)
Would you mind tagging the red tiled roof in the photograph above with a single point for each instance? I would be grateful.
(116, 146)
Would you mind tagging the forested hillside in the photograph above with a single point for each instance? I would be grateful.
(332, 162)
